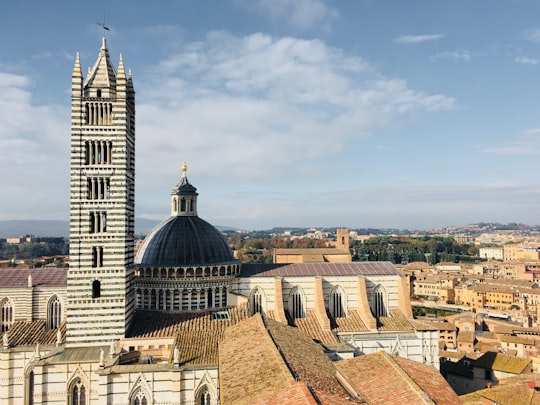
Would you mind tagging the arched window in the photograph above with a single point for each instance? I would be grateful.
(257, 301)
(296, 303)
(204, 397)
(139, 398)
(379, 302)
(54, 313)
(96, 289)
(7, 314)
(337, 303)
(31, 388)
(78, 393)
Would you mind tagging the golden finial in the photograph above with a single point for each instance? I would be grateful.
(184, 169)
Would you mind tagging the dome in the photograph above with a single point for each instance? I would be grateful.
(184, 241)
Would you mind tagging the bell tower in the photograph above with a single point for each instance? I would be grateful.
(102, 203)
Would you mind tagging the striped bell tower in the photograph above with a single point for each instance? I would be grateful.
(102, 204)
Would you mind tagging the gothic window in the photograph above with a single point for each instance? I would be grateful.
(204, 397)
(54, 313)
(297, 303)
(139, 398)
(7, 314)
(96, 289)
(379, 302)
(257, 304)
(337, 303)
(78, 393)
(31, 388)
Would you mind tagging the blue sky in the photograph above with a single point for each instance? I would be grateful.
(310, 113)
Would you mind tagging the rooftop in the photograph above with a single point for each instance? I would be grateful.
(321, 269)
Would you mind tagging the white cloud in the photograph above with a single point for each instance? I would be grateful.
(416, 39)
(261, 108)
(33, 142)
(527, 143)
(302, 15)
(462, 55)
(526, 61)
(532, 35)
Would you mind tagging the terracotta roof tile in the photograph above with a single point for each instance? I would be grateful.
(251, 368)
(384, 379)
(352, 323)
(510, 391)
(198, 347)
(503, 362)
(306, 359)
(40, 277)
(29, 333)
(320, 269)
(162, 324)
(311, 327)
(396, 321)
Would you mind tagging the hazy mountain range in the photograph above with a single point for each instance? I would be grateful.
(51, 228)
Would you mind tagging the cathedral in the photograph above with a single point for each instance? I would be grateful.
(183, 321)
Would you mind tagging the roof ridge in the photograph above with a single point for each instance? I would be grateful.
(416, 388)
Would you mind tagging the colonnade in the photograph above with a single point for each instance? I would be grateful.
(98, 113)
(98, 188)
(176, 299)
(98, 152)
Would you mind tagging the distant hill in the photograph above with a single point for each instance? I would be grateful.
(41, 228)
(44, 228)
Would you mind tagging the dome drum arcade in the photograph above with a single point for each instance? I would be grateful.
(184, 263)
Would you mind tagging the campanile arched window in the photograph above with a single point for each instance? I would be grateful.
(96, 289)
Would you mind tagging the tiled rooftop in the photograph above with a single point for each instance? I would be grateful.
(40, 277)
(24, 333)
(306, 359)
(198, 347)
(503, 362)
(321, 269)
(508, 392)
(352, 323)
(311, 327)
(384, 379)
(162, 324)
(395, 322)
(251, 368)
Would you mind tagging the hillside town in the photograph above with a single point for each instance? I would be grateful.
(486, 311)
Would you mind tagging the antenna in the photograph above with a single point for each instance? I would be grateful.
(103, 25)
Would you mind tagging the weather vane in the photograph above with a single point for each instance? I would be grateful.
(103, 25)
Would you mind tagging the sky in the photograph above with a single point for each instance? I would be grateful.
(305, 113)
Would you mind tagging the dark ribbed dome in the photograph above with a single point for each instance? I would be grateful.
(184, 241)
